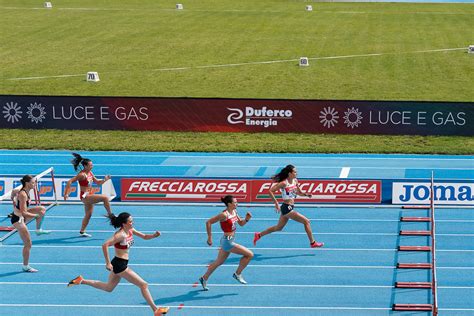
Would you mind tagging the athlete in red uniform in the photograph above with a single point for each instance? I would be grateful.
(227, 218)
(289, 188)
(122, 240)
(85, 177)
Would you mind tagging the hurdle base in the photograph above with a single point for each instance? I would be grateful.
(412, 307)
(414, 266)
(414, 248)
(415, 219)
(413, 285)
(415, 233)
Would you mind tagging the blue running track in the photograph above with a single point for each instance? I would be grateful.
(354, 274)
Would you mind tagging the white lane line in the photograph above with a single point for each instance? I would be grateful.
(246, 285)
(263, 156)
(205, 248)
(227, 307)
(345, 172)
(216, 248)
(256, 63)
(259, 219)
(247, 233)
(271, 266)
(222, 285)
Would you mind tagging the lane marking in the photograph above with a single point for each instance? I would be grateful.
(250, 233)
(240, 157)
(271, 266)
(345, 172)
(242, 285)
(216, 248)
(254, 63)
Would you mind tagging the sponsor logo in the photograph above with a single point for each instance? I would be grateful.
(36, 112)
(329, 117)
(2, 188)
(95, 189)
(263, 116)
(72, 190)
(182, 189)
(46, 188)
(353, 191)
(444, 193)
(12, 112)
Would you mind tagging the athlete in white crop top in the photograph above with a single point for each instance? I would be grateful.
(287, 184)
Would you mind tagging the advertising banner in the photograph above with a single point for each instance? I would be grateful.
(211, 190)
(204, 190)
(326, 191)
(46, 189)
(238, 115)
(444, 193)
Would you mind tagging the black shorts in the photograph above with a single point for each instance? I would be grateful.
(286, 208)
(15, 219)
(119, 264)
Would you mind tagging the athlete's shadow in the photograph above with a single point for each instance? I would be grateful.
(190, 296)
(3, 275)
(63, 241)
(258, 257)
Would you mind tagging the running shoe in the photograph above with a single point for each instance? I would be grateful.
(316, 244)
(76, 281)
(42, 232)
(161, 311)
(239, 278)
(84, 234)
(29, 269)
(256, 237)
(204, 284)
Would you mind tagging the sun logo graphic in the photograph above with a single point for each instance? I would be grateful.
(352, 117)
(12, 112)
(329, 117)
(36, 112)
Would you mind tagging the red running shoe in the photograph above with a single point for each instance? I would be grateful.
(161, 311)
(256, 237)
(316, 244)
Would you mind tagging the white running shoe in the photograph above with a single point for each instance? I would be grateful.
(239, 278)
(42, 232)
(84, 234)
(29, 269)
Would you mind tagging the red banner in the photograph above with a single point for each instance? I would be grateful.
(211, 190)
(238, 115)
(157, 189)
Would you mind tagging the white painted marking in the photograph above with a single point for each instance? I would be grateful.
(345, 172)
(254, 63)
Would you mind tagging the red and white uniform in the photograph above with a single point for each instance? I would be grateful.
(228, 226)
(126, 242)
(86, 183)
(289, 191)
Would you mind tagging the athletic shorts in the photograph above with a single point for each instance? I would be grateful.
(227, 243)
(16, 219)
(119, 264)
(286, 208)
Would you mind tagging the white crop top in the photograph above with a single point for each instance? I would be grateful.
(289, 190)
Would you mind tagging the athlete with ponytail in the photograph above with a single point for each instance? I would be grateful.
(227, 219)
(22, 213)
(122, 241)
(287, 184)
(86, 178)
